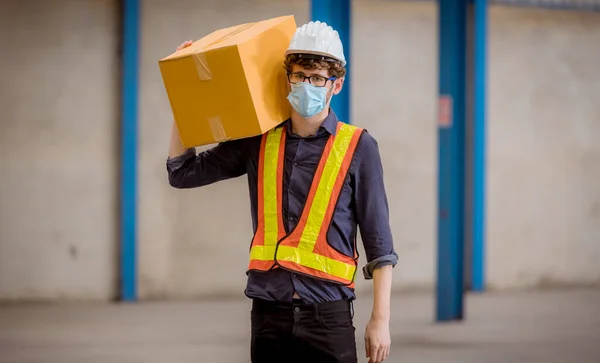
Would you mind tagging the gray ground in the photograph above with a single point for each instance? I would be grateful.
(544, 327)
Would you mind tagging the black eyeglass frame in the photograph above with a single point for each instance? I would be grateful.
(304, 77)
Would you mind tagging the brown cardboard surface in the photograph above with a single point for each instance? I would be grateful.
(231, 83)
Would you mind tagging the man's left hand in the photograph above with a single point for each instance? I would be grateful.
(377, 340)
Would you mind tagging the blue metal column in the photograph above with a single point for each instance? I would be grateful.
(129, 121)
(451, 159)
(338, 14)
(479, 149)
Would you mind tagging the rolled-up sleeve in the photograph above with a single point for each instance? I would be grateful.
(224, 161)
(372, 209)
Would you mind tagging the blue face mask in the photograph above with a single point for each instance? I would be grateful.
(308, 100)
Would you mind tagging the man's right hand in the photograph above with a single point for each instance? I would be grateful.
(185, 44)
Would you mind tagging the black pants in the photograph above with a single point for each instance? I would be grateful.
(287, 333)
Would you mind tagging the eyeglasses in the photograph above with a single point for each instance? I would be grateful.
(318, 81)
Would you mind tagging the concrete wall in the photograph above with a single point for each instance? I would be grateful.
(544, 157)
(58, 149)
(544, 181)
(394, 97)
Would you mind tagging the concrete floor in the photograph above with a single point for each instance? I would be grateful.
(545, 327)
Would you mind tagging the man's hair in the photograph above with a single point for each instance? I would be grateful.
(334, 69)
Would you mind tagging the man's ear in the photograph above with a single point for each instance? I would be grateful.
(338, 85)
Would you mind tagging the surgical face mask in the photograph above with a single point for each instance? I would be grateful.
(308, 100)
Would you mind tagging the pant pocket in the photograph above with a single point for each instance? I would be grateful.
(257, 321)
(334, 320)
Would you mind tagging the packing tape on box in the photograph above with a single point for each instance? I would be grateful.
(204, 73)
(216, 127)
(235, 31)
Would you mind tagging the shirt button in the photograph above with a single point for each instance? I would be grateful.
(297, 309)
(295, 163)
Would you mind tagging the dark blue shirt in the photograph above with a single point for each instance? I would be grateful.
(362, 203)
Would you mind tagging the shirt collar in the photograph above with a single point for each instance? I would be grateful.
(329, 124)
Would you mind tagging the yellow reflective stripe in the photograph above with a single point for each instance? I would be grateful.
(270, 186)
(262, 253)
(323, 195)
(317, 262)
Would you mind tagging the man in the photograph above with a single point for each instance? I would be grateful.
(312, 180)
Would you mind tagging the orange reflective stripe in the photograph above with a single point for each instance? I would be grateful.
(272, 186)
(322, 247)
(260, 265)
(270, 228)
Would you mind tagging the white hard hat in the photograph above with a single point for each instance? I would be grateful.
(319, 39)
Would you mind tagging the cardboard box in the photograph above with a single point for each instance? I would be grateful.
(230, 84)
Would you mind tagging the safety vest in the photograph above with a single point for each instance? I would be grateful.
(305, 250)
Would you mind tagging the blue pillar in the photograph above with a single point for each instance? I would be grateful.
(129, 132)
(479, 149)
(451, 159)
(338, 14)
